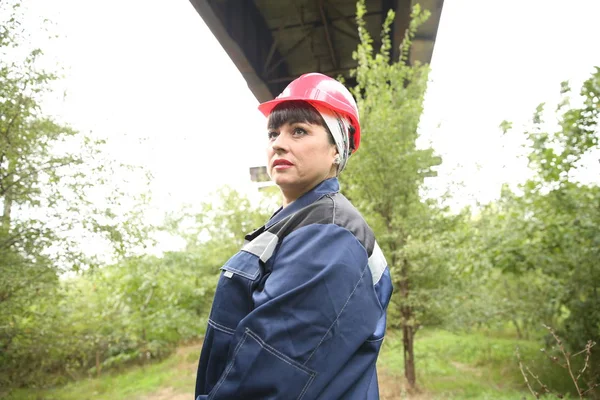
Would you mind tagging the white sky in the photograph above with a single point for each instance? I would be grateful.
(496, 60)
(150, 75)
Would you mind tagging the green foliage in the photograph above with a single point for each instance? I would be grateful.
(134, 311)
(137, 310)
(385, 180)
(58, 190)
(545, 242)
(216, 230)
(173, 375)
(554, 155)
(523, 260)
(384, 177)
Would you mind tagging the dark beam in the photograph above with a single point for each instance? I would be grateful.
(246, 38)
(292, 77)
(341, 17)
(274, 45)
(353, 35)
(403, 10)
(270, 56)
(326, 22)
(315, 25)
(262, 53)
(348, 20)
(290, 51)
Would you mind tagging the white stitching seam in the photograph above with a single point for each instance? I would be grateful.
(278, 354)
(285, 359)
(246, 275)
(229, 367)
(311, 374)
(301, 395)
(339, 314)
(220, 327)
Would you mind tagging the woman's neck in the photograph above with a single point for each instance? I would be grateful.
(290, 195)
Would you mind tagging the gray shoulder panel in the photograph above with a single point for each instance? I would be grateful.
(347, 216)
(330, 209)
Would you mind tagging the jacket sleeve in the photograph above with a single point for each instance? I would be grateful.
(311, 314)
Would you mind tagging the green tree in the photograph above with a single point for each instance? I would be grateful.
(547, 237)
(144, 305)
(56, 191)
(215, 231)
(564, 214)
(385, 180)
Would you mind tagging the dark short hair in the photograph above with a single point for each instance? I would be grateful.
(294, 111)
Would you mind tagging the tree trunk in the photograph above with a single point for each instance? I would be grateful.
(512, 311)
(8, 201)
(408, 331)
(98, 366)
(518, 328)
(409, 356)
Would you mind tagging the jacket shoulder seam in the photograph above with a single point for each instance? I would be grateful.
(338, 315)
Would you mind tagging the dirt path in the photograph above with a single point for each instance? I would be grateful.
(168, 394)
(186, 366)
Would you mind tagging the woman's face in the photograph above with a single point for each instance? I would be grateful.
(299, 156)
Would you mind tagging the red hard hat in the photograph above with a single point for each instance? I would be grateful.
(320, 89)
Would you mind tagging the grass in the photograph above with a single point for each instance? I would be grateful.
(449, 366)
(177, 372)
(471, 365)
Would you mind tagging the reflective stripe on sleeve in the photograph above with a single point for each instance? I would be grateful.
(377, 263)
(263, 246)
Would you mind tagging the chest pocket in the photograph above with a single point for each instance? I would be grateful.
(243, 264)
(233, 297)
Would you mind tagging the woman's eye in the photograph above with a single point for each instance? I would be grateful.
(272, 135)
(299, 132)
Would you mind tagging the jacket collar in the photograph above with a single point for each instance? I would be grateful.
(326, 187)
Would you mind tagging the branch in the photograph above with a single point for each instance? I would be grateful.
(8, 295)
(567, 366)
(18, 106)
(588, 351)
(592, 387)
(9, 241)
(19, 234)
(554, 359)
(567, 359)
(544, 387)
(533, 392)
(148, 298)
(44, 169)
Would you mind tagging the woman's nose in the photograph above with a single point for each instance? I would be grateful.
(280, 143)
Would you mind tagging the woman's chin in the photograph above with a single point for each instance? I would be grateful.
(284, 181)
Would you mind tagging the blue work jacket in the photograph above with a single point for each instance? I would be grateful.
(300, 311)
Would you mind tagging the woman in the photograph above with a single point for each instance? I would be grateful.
(299, 312)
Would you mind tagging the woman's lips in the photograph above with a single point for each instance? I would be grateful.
(282, 164)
